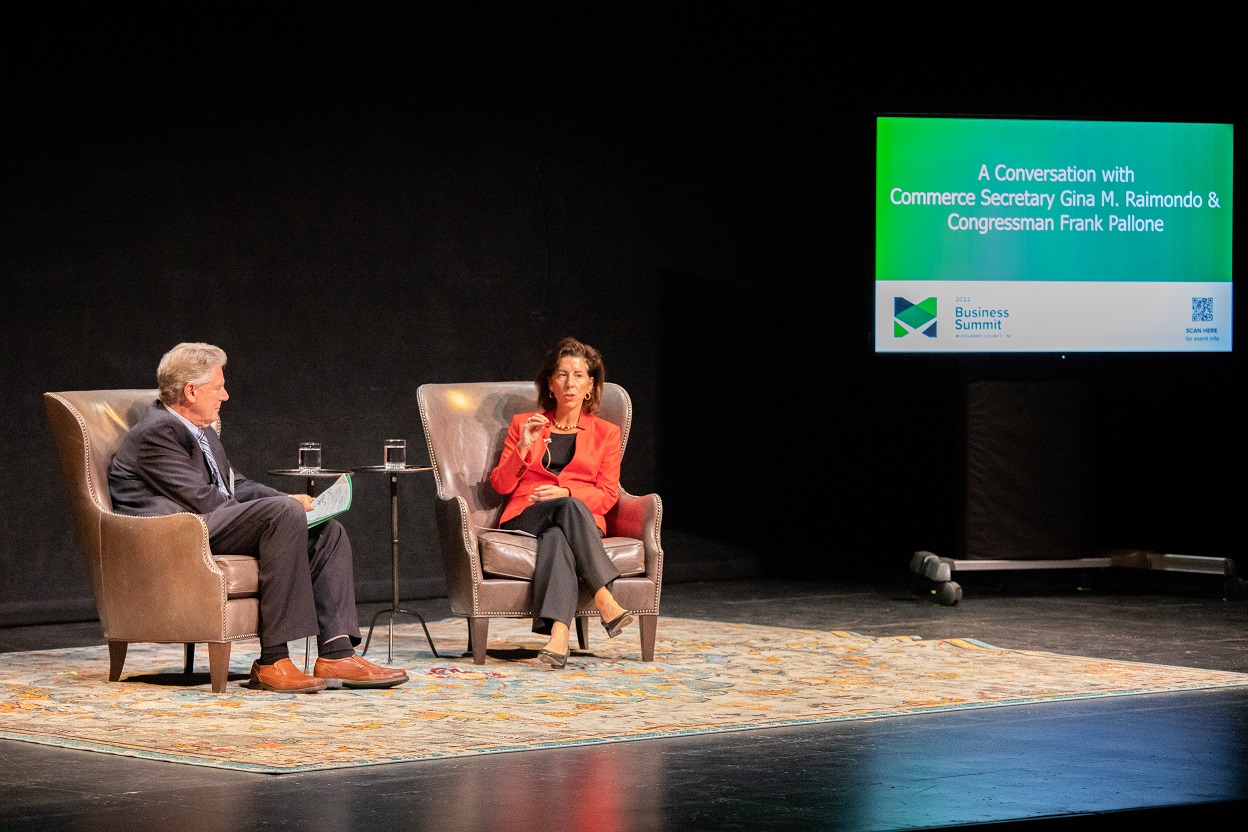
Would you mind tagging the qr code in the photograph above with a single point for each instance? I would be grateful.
(1202, 309)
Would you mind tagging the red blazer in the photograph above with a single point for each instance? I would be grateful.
(593, 475)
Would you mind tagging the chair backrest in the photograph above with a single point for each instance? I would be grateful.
(465, 425)
(87, 428)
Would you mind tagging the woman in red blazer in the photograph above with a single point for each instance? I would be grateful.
(560, 469)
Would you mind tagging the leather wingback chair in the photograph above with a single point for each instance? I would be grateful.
(488, 573)
(154, 578)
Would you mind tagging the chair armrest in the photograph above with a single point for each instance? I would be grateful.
(461, 560)
(640, 517)
(158, 576)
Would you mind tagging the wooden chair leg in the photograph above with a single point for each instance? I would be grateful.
(189, 667)
(582, 632)
(478, 637)
(219, 664)
(116, 659)
(649, 626)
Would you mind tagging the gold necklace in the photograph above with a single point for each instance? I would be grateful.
(568, 427)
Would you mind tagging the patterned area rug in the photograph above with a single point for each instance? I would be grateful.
(706, 677)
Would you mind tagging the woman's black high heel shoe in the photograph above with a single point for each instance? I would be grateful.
(616, 625)
(555, 660)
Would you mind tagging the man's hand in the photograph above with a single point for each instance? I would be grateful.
(305, 499)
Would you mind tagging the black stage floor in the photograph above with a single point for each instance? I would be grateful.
(1165, 758)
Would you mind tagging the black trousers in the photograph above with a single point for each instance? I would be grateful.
(569, 550)
(307, 580)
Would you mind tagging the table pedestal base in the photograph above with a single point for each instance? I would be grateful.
(392, 612)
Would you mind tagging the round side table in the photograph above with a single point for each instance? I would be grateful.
(310, 476)
(394, 609)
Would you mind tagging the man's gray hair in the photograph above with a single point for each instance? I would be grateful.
(187, 363)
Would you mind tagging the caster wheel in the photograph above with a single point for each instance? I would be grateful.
(949, 593)
(1235, 587)
(918, 561)
(920, 583)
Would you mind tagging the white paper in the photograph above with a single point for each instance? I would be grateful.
(333, 500)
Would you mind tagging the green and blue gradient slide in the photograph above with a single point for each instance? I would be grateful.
(1052, 236)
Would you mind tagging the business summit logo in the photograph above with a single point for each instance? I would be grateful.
(914, 317)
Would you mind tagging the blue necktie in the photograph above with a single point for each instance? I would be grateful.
(212, 463)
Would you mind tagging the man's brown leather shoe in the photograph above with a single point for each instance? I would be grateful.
(282, 676)
(355, 671)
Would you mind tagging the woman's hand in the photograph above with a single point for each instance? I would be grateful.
(549, 492)
(531, 433)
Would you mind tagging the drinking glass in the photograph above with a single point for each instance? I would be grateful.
(309, 457)
(394, 455)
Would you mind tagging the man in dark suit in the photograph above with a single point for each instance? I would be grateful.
(173, 461)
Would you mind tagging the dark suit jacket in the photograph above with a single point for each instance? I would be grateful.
(593, 475)
(160, 469)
